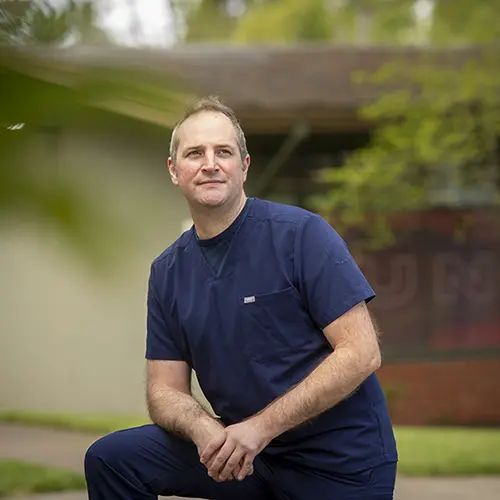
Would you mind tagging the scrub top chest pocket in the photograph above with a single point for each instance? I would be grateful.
(272, 325)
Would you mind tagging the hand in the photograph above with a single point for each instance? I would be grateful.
(232, 453)
(207, 431)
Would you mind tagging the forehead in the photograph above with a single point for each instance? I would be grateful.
(206, 127)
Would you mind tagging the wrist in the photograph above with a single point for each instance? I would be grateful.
(200, 426)
(267, 425)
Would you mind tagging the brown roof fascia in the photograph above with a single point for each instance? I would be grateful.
(270, 87)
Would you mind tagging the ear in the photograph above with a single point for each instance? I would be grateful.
(173, 172)
(246, 166)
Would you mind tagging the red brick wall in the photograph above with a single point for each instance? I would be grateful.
(444, 392)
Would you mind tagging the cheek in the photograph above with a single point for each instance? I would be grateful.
(185, 175)
(236, 173)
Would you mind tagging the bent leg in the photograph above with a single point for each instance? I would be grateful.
(299, 483)
(144, 462)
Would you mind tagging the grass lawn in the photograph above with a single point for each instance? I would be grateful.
(92, 423)
(448, 451)
(423, 451)
(19, 478)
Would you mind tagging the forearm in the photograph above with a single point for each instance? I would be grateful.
(177, 412)
(331, 382)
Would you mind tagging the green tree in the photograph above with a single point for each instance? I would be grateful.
(210, 20)
(343, 21)
(40, 23)
(435, 138)
(285, 22)
(290, 21)
(465, 22)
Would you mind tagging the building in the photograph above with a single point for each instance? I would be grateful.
(73, 341)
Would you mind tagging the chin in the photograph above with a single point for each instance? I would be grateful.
(212, 201)
(211, 197)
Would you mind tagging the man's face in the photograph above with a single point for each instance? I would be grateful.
(208, 168)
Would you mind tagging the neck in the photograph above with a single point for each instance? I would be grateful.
(211, 221)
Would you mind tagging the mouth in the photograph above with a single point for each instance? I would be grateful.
(210, 182)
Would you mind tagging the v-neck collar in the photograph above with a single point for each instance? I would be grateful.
(225, 269)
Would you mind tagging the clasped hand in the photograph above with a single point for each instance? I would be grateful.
(231, 453)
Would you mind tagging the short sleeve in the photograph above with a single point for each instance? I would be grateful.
(160, 335)
(328, 277)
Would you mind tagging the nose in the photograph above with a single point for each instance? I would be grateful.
(210, 163)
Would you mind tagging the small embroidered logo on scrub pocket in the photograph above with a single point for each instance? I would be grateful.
(249, 300)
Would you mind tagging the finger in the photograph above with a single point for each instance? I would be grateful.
(237, 470)
(232, 462)
(210, 461)
(220, 459)
(246, 468)
(212, 447)
(209, 456)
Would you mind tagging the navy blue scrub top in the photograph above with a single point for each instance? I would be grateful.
(246, 311)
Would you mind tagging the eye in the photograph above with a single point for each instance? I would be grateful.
(224, 152)
(194, 153)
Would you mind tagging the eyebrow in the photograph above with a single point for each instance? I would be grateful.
(189, 148)
(200, 146)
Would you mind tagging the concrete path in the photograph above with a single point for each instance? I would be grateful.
(67, 449)
(50, 447)
(477, 488)
(46, 446)
(482, 488)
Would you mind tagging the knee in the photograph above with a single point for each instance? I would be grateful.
(118, 450)
(93, 459)
(108, 450)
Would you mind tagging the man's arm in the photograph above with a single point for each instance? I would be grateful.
(168, 386)
(171, 405)
(356, 356)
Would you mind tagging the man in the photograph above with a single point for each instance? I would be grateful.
(266, 304)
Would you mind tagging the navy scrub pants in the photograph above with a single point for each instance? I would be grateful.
(144, 462)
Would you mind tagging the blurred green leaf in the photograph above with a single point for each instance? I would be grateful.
(44, 88)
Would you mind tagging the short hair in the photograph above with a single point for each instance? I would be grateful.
(209, 103)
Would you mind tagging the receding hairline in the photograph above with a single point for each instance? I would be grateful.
(216, 113)
(210, 104)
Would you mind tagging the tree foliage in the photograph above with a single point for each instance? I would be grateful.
(285, 22)
(464, 22)
(435, 139)
(292, 21)
(210, 20)
(39, 93)
(433, 145)
(38, 22)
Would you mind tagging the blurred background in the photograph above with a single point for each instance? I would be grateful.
(382, 115)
